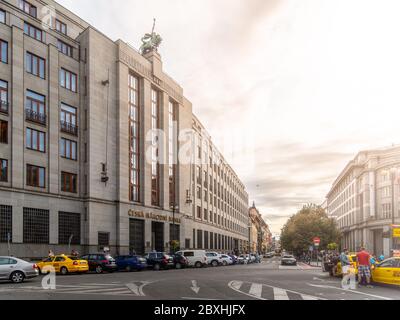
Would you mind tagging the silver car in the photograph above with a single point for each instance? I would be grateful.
(17, 270)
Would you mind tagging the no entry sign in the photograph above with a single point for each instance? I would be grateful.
(317, 241)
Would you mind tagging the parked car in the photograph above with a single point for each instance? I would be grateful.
(234, 259)
(100, 262)
(244, 259)
(269, 255)
(160, 260)
(226, 260)
(64, 264)
(130, 263)
(17, 270)
(180, 261)
(253, 258)
(289, 260)
(214, 259)
(195, 258)
(387, 272)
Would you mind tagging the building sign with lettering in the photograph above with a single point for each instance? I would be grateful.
(152, 216)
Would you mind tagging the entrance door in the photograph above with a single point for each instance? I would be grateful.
(136, 237)
(158, 236)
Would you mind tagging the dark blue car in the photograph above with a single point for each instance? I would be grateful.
(234, 258)
(131, 263)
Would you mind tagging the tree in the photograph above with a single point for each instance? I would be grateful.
(310, 222)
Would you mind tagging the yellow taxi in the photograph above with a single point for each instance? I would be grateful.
(65, 264)
(387, 272)
(337, 271)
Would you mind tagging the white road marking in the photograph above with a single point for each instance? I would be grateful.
(256, 290)
(195, 287)
(236, 285)
(233, 285)
(280, 294)
(187, 298)
(353, 291)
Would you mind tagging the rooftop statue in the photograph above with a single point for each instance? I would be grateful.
(151, 41)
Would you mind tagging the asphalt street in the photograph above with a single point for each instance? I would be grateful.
(266, 281)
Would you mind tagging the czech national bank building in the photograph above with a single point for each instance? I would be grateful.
(81, 163)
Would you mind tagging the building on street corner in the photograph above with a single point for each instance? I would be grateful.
(365, 200)
(91, 131)
(259, 233)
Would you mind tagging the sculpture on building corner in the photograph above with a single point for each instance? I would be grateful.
(150, 41)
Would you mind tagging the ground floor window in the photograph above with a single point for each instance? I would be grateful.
(136, 237)
(187, 243)
(174, 232)
(206, 246)
(5, 223)
(69, 226)
(103, 239)
(36, 226)
(199, 239)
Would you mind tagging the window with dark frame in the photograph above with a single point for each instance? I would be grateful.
(68, 80)
(4, 51)
(35, 108)
(68, 119)
(104, 239)
(172, 150)
(3, 170)
(35, 140)
(35, 65)
(64, 48)
(28, 7)
(69, 224)
(36, 226)
(33, 32)
(5, 223)
(69, 182)
(2, 16)
(155, 166)
(61, 27)
(68, 149)
(3, 96)
(35, 176)
(134, 139)
(3, 132)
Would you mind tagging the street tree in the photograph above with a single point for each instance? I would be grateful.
(310, 222)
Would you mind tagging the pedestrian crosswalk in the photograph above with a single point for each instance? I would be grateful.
(114, 289)
(267, 292)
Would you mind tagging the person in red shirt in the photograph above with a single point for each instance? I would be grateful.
(364, 270)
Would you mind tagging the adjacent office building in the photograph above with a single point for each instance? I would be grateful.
(365, 199)
(81, 163)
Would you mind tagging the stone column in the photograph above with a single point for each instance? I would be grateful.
(148, 236)
(146, 145)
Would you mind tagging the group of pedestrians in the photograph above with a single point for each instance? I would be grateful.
(365, 261)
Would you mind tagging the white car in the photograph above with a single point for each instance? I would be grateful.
(17, 270)
(226, 260)
(214, 259)
(195, 258)
(244, 259)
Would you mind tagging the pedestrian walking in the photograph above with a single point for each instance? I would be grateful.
(364, 267)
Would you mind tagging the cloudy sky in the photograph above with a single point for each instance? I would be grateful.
(290, 90)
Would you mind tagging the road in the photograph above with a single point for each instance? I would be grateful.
(265, 281)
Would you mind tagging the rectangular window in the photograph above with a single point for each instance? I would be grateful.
(5, 223)
(134, 139)
(3, 170)
(3, 131)
(35, 176)
(35, 109)
(68, 182)
(36, 226)
(199, 212)
(64, 48)
(103, 239)
(28, 8)
(2, 16)
(69, 227)
(35, 65)
(155, 167)
(61, 27)
(35, 140)
(68, 122)
(172, 150)
(4, 51)
(199, 239)
(68, 149)
(33, 32)
(3, 96)
(68, 80)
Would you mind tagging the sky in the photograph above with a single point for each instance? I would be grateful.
(289, 90)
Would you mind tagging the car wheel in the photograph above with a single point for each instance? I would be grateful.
(178, 266)
(157, 267)
(17, 277)
(214, 263)
(64, 271)
(224, 263)
(99, 269)
(198, 265)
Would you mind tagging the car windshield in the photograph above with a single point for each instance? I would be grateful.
(74, 258)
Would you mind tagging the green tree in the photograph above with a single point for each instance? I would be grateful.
(310, 222)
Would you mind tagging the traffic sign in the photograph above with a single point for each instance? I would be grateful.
(317, 241)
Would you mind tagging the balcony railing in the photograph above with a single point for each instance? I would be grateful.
(4, 106)
(69, 128)
(35, 116)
